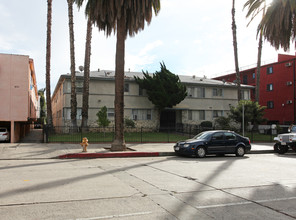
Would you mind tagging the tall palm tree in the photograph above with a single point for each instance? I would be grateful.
(86, 74)
(48, 55)
(279, 23)
(235, 52)
(73, 74)
(125, 17)
(254, 8)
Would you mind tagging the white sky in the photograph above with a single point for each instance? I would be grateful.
(192, 38)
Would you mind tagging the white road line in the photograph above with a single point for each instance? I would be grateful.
(243, 203)
(115, 216)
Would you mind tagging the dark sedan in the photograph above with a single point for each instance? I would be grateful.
(214, 142)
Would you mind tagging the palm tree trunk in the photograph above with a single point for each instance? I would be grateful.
(86, 74)
(48, 55)
(235, 52)
(257, 92)
(119, 143)
(73, 74)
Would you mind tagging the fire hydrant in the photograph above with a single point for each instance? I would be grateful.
(84, 144)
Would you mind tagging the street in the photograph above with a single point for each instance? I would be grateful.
(256, 186)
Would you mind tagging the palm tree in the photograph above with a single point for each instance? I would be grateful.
(235, 51)
(73, 74)
(254, 8)
(279, 23)
(86, 74)
(125, 17)
(48, 53)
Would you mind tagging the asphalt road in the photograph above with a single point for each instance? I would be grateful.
(257, 186)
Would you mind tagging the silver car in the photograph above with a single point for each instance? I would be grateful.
(4, 134)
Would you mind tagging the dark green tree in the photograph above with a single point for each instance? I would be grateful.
(41, 120)
(102, 117)
(253, 112)
(164, 89)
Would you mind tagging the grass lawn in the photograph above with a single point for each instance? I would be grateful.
(130, 137)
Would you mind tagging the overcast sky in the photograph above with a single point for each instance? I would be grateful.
(191, 37)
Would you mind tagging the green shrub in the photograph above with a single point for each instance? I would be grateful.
(129, 123)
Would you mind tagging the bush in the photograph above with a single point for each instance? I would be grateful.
(206, 124)
(129, 123)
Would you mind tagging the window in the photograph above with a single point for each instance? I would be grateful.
(270, 105)
(245, 95)
(200, 92)
(217, 92)
(269, 70)
(245, 79)
(190, 115)
(67, 113)
(195, 115)
(79, 86)
(202, 115)
(141, 114)
(269, 87)
(229, 136)
(254, 75)
(217, 136)
(110, 113)
(126, 87)
(217, 113)
(190, 91)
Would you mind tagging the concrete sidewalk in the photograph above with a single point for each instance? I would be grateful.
(23, 151)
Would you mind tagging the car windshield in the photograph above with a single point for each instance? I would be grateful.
(293, 129)
(202, 136)
(2, 129)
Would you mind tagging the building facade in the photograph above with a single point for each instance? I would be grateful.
(207, 99)
(18, 94)
(277, 88)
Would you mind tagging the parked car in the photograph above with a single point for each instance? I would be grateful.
(4, 134)
(214, 142)
(284, 141)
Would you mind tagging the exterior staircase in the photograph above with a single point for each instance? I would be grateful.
(34, 136)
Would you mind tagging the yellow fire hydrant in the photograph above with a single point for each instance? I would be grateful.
(84, 144)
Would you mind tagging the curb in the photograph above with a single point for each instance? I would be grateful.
(109, 155)
(134, 154)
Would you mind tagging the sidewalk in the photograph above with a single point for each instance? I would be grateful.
(23, 151)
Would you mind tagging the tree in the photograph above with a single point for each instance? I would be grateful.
(279, 23)
(42, 106)
(48, 55)
(254, 8)
(235, 52)
(124, 17)
(164, 89)
(102, 117)
(253, 112)
(72, 57)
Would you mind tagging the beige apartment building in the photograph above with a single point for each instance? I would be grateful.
(207, 99)
(18, 94)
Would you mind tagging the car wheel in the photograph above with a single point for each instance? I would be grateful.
(201, 152)
(283, 149)
(276, 147)
(240, 151)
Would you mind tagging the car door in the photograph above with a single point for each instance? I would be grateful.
(230, 142)
(217, 143)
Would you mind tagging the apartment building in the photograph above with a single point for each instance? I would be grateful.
(277, 88)
(18, 94)
(207, 99)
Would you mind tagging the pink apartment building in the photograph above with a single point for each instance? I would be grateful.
(18, 95)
